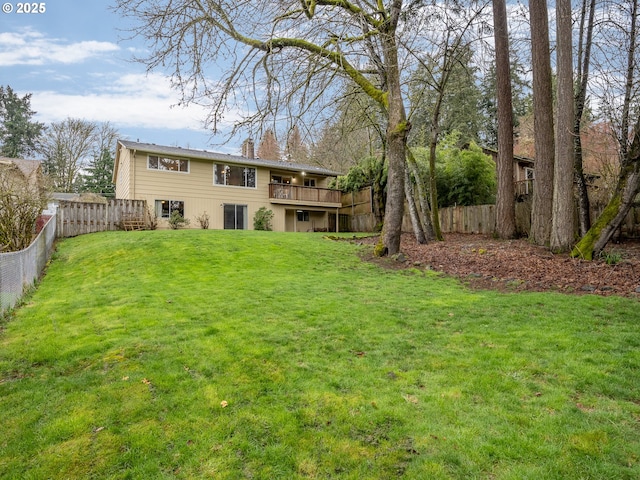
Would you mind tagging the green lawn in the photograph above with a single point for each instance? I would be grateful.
(230, 355)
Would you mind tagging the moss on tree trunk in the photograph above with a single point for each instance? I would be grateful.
(586, 247)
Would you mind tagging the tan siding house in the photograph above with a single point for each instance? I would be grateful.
(228, 188)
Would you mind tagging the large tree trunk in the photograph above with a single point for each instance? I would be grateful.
(394, 210)
(542, 208)
(562, 225)
(618, 207)
(505, 198)
(397, 131)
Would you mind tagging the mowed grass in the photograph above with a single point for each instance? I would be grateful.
(228, 355)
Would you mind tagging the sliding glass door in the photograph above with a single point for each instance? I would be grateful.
(235, 217)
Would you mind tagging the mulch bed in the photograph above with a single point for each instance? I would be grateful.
(484, 262)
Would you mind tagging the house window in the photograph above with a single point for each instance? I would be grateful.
(303, 216)
(309, 182)
(234, 176)
(280, 179)
(167, 164)
(529, 173)
(235, 217)
(164, 208)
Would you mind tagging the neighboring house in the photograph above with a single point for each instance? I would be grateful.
(21, 173)
(523, 172)
(228, 188)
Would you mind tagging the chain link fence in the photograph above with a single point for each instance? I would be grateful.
(20, 270)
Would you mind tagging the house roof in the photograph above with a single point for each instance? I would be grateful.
(516, 158)
(222, 157)
(26, 167)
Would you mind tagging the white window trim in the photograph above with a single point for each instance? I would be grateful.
(169, 171)
(167, 200)
(213, 179)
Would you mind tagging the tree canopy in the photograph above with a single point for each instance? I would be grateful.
(289, 58)
(308, 63)
(464, 174)
(18, 132)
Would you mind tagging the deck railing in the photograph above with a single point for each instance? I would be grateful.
(524, 187)
(296, 193)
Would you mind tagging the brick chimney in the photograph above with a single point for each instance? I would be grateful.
(248, 150)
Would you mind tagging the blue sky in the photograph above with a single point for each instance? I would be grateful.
(74, 60)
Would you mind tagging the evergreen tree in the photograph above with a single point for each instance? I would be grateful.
(98, 178)
(18, 134)
(296, 150)
(460, 108)
(98, 173)
(268, 149)
(521, 101)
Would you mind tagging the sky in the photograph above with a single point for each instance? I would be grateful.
(75, 60)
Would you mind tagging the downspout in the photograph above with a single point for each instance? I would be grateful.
(133, 175)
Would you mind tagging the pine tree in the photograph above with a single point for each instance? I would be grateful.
(98, 178)
(18, 134)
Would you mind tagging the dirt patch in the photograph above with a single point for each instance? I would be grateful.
(516, 265)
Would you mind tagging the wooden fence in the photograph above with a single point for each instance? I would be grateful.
(357, 211)
(354, 203)
(473, 219)
(78, 218)
(481, 219)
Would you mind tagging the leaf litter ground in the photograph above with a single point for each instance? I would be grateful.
(484, 262)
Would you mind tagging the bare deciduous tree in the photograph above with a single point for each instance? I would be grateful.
(449, 51)
(620, 108)
(66, 145)
(583, 60)
(284, 57)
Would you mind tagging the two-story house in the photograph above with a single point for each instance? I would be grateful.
(228, 188)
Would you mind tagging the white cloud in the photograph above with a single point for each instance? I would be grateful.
(28, 47)
(131, 100)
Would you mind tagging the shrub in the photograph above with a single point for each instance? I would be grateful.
(203, 220)
(262, 219)
(20, 207)
(177, 221)
(464, 174)
(152, 219)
